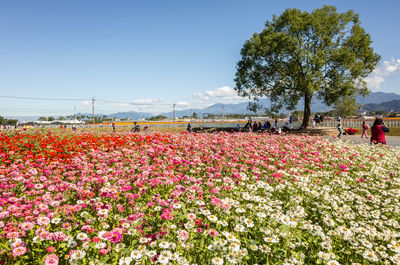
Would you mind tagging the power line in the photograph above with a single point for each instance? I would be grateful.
(29, 98)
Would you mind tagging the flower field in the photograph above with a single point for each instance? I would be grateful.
(158, 198)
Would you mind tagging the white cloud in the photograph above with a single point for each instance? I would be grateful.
(149, 101)
(223, 94)
(379, 75)
(121, 105)
(86, 103)
(197, 95)
(182, 104)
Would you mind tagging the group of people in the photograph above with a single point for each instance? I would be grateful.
(136, 127)
(378, 130)
(256, 126)
(318, 120)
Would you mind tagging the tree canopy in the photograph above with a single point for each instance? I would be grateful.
(301, 55)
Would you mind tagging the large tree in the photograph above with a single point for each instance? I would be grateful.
(301, 55)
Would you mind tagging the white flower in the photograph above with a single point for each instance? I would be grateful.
(81, 236)
(151, 253)
(56, 220)
(212, 218)
(72, 244)
(217, 261)
(125, 261)
(163, 244)
(100, 245)
(249, 223)
(136, 254)
(370, 255)
(323, 255)
(239, 228)
(177, 206)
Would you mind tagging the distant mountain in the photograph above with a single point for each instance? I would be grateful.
(131, 114)
(374, 101)
(388, 106)
(241, 108)
(23, 118)
(377, 98)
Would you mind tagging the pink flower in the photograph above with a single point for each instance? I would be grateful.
(51, 259)
(103, 251)
(191, 216)
(167, 215)
(18, 251)
(213, 232)
(43, 220)
(343, 167)
(50, 249)
(115, 237)
(58, 236)
(26, 226)
(183, 235)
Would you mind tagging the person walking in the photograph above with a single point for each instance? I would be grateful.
(339, 126)
(378, 130)
(364, 130)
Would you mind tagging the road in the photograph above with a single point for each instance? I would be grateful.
(390, 140)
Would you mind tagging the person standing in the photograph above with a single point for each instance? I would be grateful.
(339, 126)
(189, 128)
(378, 130)
(113, 127)
(364, 130)
(321, 119)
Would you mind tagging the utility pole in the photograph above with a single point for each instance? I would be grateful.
(173, 111)
(222, 111)
(93, 100)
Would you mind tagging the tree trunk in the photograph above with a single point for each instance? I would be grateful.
(307, 110)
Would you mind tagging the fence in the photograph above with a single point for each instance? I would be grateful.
(346, 123)
(358, 123)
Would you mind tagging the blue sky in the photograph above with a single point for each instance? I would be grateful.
(150, 51)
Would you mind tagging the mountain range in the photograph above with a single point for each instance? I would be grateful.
(369, 102)
(387, 106)
(374, 101)
(316, 105)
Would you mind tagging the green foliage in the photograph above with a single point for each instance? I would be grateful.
(4, 121)
(347, 106)
(50, 118)
(300, 55)
(157, 118)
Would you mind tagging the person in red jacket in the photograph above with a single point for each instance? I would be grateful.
(378, 130)
(364, 130)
